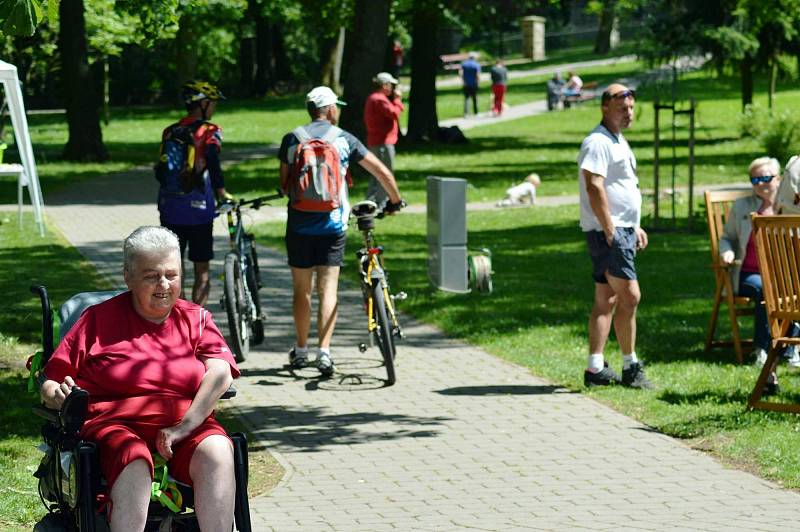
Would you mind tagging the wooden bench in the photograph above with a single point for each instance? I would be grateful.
(588, 92)
(453, 61)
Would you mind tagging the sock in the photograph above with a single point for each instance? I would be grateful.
(627, 360)
(301, 351)
(595, 363)
(324, 351)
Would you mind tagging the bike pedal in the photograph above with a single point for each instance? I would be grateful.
(398, 333)
(399, 296)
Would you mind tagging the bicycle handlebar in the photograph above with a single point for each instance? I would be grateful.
(255, 203)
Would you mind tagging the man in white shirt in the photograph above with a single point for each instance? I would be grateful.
(610, 214)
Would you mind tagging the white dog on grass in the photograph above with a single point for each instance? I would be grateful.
(521, 194)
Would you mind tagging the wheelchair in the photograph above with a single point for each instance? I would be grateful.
(70, 483)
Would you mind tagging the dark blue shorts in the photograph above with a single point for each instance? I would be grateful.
(307, 251)
(617, 259)
(199, 239)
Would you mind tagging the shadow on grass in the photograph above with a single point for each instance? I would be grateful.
(16, 418)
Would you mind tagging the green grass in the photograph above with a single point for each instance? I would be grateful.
(537, 318)
(25, 261)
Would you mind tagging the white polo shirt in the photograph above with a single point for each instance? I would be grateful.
(609, 155)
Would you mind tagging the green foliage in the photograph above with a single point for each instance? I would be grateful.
(778, 132)
(20, 17)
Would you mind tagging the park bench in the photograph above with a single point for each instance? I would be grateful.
(588, 92)
(453, 61)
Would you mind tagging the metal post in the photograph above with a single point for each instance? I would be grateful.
(691, 160)
(656, 142)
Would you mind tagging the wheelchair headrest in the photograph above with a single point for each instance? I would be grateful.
(72, 309)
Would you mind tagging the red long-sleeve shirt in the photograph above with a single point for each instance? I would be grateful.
(380, 118)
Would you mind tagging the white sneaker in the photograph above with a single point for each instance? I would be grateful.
(760, 356)
(792, 356)
(325, 364)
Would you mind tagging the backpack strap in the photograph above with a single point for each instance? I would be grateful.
(301, 134)
(331, 134)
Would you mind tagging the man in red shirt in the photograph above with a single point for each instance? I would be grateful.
(381, 113)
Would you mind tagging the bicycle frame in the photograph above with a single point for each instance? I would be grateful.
(238, 244)
(372, 271)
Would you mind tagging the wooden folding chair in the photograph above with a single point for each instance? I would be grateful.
(778, 244)
(718, 205)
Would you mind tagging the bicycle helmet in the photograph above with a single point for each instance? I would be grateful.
(196, 90)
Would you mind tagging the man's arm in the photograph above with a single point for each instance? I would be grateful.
(215, 382)
(595, 188)
(374, 166)
(53, 394)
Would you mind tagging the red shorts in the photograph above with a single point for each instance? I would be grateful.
(119, 444)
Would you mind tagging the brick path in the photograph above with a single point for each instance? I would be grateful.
(463, 441)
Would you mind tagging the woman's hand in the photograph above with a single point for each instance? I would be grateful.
(53, 394)
(167, 437)
(726, 257)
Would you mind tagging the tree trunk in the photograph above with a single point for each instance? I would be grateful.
(746, 70)
(247, 65)
(85, 141)
(283, 71)
(264, 72)
(602, 43)
(185, 51)
(330, 55)
(363, 52)
(423, 122)
(773, 76)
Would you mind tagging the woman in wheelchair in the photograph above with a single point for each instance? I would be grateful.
(154, 367)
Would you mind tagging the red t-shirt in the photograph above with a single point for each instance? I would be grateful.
(380, 118)
(135, 369)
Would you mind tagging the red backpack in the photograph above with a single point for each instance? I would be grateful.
(315, 178)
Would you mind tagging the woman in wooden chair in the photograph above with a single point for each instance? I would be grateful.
(737, 248)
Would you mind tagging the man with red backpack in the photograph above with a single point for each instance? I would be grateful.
(190, 177)
(314, 161)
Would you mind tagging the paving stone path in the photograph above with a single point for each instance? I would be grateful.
(463, 441)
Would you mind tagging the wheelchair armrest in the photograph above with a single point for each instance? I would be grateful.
(230, 393)
(46, 413)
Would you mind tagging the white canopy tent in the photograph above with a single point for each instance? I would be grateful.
(28, 177)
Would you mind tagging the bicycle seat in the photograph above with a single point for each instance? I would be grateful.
(364, 209)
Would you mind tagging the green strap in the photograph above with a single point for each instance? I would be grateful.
(164, 490)
(36, 366)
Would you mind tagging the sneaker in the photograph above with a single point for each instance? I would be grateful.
(325, 364)
(634, 377)
(759, 357)
(604, 377)
(792, 357)
(771, 388)
(297, 361)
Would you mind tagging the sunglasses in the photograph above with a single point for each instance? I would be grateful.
(620, 95)
(761, 179)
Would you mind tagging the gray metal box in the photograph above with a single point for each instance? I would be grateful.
(447, 233)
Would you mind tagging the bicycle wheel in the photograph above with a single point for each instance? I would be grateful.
(234, 306)
(383, 334)
(253, 284)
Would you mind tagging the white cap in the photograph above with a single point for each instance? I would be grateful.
(323, 97)
(385, 77)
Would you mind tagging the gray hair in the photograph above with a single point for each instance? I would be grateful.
(772, 162)
(148, 239)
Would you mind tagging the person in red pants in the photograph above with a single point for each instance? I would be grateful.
(499, 75)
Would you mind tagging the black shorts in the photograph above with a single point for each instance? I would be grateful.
(307, 251)
(199, 238)
(617, 259)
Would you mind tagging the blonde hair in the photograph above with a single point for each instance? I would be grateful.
(766, 161)
(534, 179)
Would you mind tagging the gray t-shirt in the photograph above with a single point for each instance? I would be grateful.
(499, 75)
(609, 155)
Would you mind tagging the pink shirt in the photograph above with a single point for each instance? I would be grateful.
(134, 369)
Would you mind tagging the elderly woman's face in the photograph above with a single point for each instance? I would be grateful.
(155, 282)
(765, 188)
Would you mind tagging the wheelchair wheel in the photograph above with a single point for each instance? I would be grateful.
(235, 307)
(383, 334)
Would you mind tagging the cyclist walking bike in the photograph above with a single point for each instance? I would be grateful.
(382, 324)
(241, 279)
